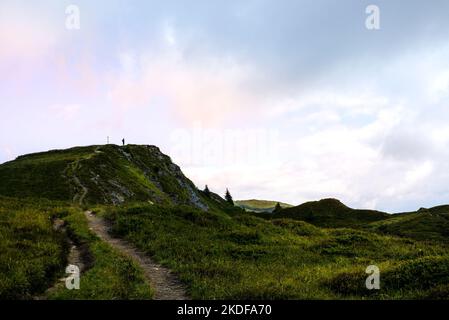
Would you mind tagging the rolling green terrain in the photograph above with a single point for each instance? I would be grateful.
(317, 250)
(221, 256)
(112, 175)
(109, 274)
(425, 225)
(331, 213)
(260, 205)
(33, 255)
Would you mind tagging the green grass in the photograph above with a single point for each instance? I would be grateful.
(424, 225)
(112, 174)
(33, 256)
(240, 256)
(41, 175)
(330, 213)
(317, 250)
(112, 276)
(419, 278)
(31, 252)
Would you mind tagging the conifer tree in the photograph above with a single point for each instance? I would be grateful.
(277, 208)
(207, 191)
(228, 197)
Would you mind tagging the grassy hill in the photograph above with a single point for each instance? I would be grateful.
(260, 205)
(111, 174)
(241, 256)
(331, 213)
(317, 250)
(425, 224)
(33, 255)
(430, 224)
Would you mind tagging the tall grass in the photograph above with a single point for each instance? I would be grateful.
(112, 275)
(244, 257)
(32, 254)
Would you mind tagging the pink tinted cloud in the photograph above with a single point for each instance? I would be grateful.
(23, 35)
(210, 91)
(78, 75)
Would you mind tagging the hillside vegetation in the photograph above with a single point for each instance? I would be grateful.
(331, 213)
(111, 174)
(317, 250)
(222, 256)
(33, 255)
(31, 252)
(425, 225)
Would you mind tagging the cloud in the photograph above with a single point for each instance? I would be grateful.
(24, 34)
(408, 144)
(66, 112)
(359, 115)
(211, 91)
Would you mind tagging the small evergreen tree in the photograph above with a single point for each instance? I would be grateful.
(228, 197)
(207, 191)
(277, 208)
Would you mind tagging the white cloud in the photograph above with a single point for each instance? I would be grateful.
(24, 34)
(66, 112)
(210, 91)
(410, 180)
(360, 118)
(438, 88)
(169, 33)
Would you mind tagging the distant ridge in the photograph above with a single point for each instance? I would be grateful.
(331, 213)
(255, 205)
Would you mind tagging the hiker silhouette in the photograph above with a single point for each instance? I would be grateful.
(123, 141)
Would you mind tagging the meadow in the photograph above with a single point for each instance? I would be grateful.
(317, 250)
(240, 256)
(33, 255)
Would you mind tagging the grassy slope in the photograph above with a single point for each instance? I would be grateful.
(50, 175)
(223, 253)
(33, 255)
(242, 256)
(331, 213)
(41, 175)
(112, 174)
(424, 225)
(260, 205)
(112, 276)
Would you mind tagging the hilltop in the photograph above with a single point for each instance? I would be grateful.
(430, 224)
(107, 174)
(52, 202)
(425, 224)
(331, 213)
(118, 175)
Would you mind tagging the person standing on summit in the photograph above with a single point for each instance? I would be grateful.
(123, 141)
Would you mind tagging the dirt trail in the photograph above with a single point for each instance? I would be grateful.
(162, 280)
(79, 197)
(79, 256)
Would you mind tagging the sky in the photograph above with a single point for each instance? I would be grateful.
(286, 100)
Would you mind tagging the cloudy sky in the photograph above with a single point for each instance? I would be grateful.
(286, 100)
